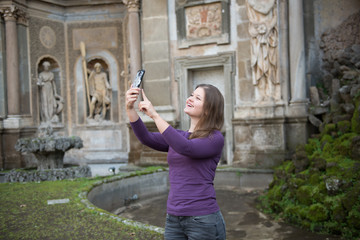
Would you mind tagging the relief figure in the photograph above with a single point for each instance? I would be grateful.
(264, 41)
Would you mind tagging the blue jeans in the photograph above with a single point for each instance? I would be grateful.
(207, 227)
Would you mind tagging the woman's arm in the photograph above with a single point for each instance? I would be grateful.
(152, 140)
(197, 147)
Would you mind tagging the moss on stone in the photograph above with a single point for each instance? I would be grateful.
(352, 197)
(304, 195)
(353, 218)
(274, 193)
(343, 126)
(342, 145)
(329, 128)
(326, 138)
(317, 213)
(323, 195)
(312, 146)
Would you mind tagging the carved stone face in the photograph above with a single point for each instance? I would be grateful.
(97, 67)
(46, 65)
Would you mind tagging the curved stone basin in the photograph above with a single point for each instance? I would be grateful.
(116, 194)
(236, 189)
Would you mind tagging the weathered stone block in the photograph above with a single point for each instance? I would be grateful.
(153, 90)
(156, 51)
(314, 96)
(157, 33)
(243, 50)
(246, 90)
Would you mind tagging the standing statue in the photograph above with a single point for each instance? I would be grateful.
(99, 90)
(51, 103)
(264, 40)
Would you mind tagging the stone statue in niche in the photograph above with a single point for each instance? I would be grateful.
(100, 93)
(51, 104)
(264, 40)
(203, 21)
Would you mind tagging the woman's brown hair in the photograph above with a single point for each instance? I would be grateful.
(212, 117)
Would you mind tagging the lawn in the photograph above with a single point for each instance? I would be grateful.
(25, 214)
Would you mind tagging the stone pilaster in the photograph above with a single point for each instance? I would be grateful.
(297, 52)
(134, 36)
(10, 15)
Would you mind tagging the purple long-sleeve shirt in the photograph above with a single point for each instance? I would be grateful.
(192, 165)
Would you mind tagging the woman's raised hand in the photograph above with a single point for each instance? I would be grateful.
(131, 97)
(146, 106)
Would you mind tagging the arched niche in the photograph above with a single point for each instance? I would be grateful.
(110, 67)
(56, 70)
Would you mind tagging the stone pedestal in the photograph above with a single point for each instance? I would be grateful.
(267, 134)
(50, 160)
(260, 142)
(102, 144)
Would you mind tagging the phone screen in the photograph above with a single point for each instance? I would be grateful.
(138, 79)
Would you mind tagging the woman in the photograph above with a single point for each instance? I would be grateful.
(193, 155)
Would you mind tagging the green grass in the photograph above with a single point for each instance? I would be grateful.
(25, 214)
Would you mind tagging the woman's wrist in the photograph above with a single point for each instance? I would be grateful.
(155, 116)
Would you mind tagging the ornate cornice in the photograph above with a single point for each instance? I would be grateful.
(132, 5)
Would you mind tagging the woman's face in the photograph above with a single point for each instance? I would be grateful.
(195, 103)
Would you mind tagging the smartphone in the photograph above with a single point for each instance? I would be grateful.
(138, 79)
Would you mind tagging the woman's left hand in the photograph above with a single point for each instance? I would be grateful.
(146, 106)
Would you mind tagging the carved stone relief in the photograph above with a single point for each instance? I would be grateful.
(264, 41)
(47, 37)
(203, 21)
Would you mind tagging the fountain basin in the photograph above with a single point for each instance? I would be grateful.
(113, 195)
(48, 150)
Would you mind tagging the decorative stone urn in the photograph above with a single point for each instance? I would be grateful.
(48, 149)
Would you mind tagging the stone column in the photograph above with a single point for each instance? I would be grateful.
(297, 52)
(12, 60)
(134, 36)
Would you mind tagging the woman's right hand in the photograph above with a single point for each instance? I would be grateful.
(131, 97)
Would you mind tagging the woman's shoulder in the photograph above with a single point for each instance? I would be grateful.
(217, 135)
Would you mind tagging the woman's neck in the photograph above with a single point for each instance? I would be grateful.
(193, 123)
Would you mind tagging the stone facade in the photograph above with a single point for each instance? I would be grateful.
(261, 59)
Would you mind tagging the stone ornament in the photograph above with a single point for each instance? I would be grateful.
(203, 21)
(9, 13)
(132, 5)
(264, 41)
(100, 92)
(47, 37)
(51, 104)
